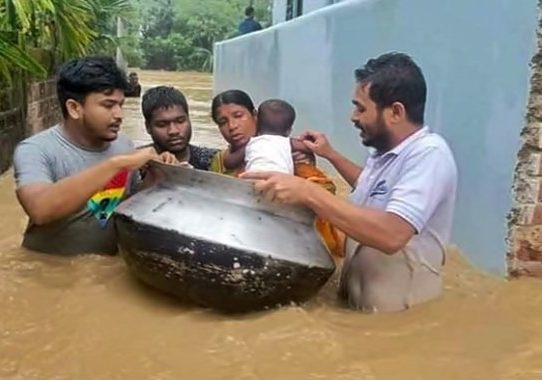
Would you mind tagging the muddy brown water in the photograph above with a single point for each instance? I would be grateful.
(87, 318)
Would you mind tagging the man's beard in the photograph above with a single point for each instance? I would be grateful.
(381, 138)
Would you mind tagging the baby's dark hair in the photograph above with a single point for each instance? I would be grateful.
(275, 117)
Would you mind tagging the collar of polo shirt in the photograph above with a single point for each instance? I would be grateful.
(406, 142)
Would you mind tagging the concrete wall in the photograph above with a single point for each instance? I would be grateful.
(24, 112)
(279, 8)
(312, 5)
(475, 56)
(279, 11)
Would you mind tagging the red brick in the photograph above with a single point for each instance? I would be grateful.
(526, 252)
(526, 269)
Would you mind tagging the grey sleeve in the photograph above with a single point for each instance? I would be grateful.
(31, 165)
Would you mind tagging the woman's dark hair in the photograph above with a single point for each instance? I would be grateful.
(238, 97)
(394, 77)
(81, 76)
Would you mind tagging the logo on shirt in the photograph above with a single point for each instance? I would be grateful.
(103, 203)
(379, 189)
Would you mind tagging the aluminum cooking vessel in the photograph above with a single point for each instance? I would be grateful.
(208, 239)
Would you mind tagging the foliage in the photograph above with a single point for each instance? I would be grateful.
(65, 28)
(37, 35)
(168, 53)
(180, 34)
(158, 20)
(105, 13)
(131, 50)
(11, 56)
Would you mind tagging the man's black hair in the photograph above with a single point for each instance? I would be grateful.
(81, 76)
(162, 97)
(394, 77)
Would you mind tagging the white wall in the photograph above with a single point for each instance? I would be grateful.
(279, 11)
(474, 54)
(312, 5)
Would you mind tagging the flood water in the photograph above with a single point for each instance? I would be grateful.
(87, 318)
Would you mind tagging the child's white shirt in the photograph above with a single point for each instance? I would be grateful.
(269, 153)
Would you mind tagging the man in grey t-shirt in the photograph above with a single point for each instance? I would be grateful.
(71, 177)
(399, 217)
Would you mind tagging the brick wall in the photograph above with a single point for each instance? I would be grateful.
(43, 110)
(12, 126)
(524, 256)
(23, 112)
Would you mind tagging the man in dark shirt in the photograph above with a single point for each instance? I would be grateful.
(165, 110)
(249, 25)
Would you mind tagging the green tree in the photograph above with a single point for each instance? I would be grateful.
(158, 20)
(63, 28)
(200, 23)
(105, 13)
(12, 57)
(15, 19)
(168, 53)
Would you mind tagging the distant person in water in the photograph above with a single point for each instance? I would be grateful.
(249, 25)
(134, 88)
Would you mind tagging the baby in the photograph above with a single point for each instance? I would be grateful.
(271, 148)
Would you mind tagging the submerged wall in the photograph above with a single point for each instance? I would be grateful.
(25, 111)
(475, 56)
(12, 126)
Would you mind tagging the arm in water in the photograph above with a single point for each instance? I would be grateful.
(46, 202)
(378, 229)
(318, 143)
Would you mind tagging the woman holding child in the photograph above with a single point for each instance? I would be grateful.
(234, 113)
(236, 117)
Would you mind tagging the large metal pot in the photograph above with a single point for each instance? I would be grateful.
(208, 239)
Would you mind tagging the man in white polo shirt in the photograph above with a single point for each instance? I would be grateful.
(399, 217)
